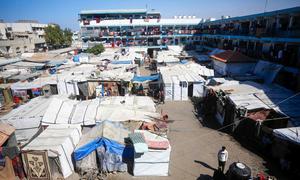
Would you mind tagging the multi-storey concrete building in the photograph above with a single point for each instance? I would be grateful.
(272, 36)
(20, 37)
(137, 27)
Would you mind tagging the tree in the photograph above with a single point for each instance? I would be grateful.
(68, 37)
(54, 36)
(98, 49)
(57, 37)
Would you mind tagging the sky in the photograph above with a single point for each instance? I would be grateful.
(65, 12)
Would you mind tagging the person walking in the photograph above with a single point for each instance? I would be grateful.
(222, 157)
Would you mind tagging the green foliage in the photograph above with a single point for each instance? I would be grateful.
(57, 37)
(67, 36)
(98, 49)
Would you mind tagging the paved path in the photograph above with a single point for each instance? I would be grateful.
(194, 147)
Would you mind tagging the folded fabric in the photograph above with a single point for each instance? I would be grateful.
(138, 142)
(157, 144)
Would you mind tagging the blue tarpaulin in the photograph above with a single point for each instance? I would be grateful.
(111, 146)
(121, 62)
(145, 78)
(184, 61)
(76, 58)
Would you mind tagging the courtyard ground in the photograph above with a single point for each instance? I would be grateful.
(195, 147)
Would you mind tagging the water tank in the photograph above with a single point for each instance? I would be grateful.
(238, 171)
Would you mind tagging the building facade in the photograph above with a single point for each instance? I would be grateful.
(272, 36)
(20, 37)
(137, 27)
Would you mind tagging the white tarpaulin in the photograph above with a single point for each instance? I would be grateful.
(154, 162)
(114, 108)
(60, 141)
(179, 77)
(289, 134)
(27, 118)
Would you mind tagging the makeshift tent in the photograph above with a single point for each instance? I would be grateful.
(140, 79)
(156, 161)
(267, 70)
(27, 118)
(183, 80)
(115, 108)
(289, 134)
(60, 141)
(106, 129)
(110, 154)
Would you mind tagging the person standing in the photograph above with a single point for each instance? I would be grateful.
(222, 157)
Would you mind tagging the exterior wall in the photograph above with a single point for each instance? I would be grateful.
(22, 37)
(227, 69)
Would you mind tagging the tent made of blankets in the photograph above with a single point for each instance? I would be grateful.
(104, 142)
(114, 108)
(60, 142)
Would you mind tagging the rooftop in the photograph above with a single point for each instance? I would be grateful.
(114, 11)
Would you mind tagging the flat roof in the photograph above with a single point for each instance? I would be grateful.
(114, 11)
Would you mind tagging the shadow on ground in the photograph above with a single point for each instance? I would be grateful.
(204, 177)
(205, 165)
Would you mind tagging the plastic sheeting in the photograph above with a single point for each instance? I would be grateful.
(27, 118)
(267, 70)
(289, 134)
(111, 146)
(110, 130)
(110, 162)
(114, 108)
(145, 78)
(154, 162)
(121, 62)
(60, 141)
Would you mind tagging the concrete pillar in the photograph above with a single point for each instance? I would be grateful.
(291, 22)
(250, 25)
(277, 22)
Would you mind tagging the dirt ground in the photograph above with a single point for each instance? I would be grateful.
(195, 147)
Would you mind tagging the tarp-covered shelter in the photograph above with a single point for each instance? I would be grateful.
(291, 134)
(251, 96)
(114, 108)
(60, 142)
(154, 162)
(108, 135)
(142, 79)
(184, 80)
(27, 118)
